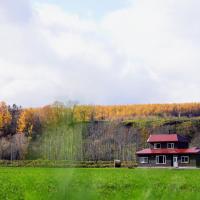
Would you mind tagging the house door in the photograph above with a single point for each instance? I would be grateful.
(175, 161)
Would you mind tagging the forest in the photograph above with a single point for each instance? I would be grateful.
(90, 132)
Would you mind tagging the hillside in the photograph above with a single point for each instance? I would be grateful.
(76, 132)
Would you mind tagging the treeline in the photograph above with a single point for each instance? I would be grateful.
(83, 133)
(123, 112)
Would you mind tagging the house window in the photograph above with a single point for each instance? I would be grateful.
(157, 145)
(170, 145)
(184, 159)
(143, 159)
(161, 159)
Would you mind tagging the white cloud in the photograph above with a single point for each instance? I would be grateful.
(148, 52)
(52, 16)
(161, 34)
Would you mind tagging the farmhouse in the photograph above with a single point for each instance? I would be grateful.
(168, 150)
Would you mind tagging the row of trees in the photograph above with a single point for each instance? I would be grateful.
(123, 112)
(17, 120)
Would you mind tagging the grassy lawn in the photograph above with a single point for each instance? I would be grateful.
(51, 183)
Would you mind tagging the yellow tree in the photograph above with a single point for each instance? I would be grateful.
(1, 121)
(5, 116)
(21, 123)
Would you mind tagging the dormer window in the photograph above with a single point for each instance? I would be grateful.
(157, 145)
(170, 145)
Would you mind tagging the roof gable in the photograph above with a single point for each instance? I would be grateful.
(166, 138)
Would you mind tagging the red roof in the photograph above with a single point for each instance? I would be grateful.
(166, 138)
(193, 150)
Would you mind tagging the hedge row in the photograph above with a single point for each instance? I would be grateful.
(63, 163)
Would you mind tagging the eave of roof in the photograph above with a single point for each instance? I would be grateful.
(193, 150)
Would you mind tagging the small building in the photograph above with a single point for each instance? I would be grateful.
(168, 150)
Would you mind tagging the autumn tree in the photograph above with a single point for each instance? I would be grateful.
(5, 116)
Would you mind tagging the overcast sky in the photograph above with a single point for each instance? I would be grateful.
(99, 52)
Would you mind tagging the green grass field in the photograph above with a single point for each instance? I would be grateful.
(51, 183)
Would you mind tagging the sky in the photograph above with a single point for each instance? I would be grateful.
(99, 52)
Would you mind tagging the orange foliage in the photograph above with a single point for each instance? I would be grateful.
(86, 112)
(50, 115)
(21, 123)
(5, 117)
